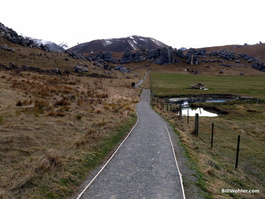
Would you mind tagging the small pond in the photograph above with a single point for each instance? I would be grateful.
(188, 111)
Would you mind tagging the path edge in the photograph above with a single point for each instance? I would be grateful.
(111, 157)
(176, 161)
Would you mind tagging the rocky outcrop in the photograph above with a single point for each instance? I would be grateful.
(76, 56)
(153, 54)
(192, 57)
(137, 57)
(179, 53)
(127, 57)
(223, 54)
(259, 66)
(159, 56)
(107, 56)
(165, 57)
(248, 58)
(12, 36)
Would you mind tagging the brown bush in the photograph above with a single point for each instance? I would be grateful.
(89, 138)
(50, 159)
(41, 104)
(19, 103)
(62, 102)
(56, 114)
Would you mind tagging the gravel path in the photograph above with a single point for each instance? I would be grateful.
(144, 166)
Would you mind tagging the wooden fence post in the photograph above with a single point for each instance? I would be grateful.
(180, 110)
(188, 116)
(212, 135)
(237, 151)
(196, 130)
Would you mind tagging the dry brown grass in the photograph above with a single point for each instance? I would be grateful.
(47, 123)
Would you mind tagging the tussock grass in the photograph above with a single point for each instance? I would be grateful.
(55, 130)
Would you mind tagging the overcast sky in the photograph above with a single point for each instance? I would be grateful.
(178, 23)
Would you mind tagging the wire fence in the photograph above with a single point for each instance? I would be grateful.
(251, 154)
(243, 165)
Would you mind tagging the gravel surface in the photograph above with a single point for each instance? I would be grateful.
(144, 166)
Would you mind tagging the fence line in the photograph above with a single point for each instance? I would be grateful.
(246, 157)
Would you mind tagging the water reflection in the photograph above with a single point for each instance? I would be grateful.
(191, 112)
(185, 103)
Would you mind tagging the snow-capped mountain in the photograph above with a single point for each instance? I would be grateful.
(118, 45)
(50, 45)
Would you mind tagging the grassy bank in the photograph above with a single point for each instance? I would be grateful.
(80, 164)
(216, 165)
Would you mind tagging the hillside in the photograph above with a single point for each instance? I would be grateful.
(118, 45)
(257, 50)
(55, 118)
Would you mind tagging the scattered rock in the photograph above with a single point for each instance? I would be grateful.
(80, 69)
(73, 55)
(98, 64)
(250, 60)
(12, 66)
(225, 65)
(122, 69)
(5, 47)
(56, 71)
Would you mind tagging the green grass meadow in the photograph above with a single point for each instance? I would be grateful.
(166, 84)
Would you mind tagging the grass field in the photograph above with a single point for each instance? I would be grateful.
(216, 166)
(166, 84)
